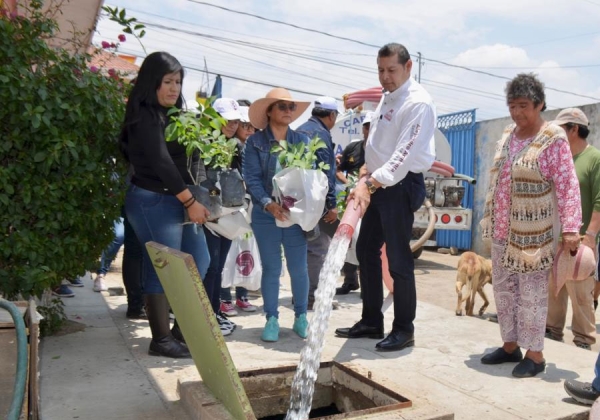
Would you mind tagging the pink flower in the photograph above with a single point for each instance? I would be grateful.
(105, 44)
(122, 38)
(112, 72)
(94, 69)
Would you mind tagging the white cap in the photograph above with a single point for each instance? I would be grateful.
(326, 102)
(244, 114)
(227, 108)
(368, 117)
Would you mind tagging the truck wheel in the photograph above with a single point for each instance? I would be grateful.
(417, 253)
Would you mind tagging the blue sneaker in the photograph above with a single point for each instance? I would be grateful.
(63, 291)
(271, 331)
(76, 282)
(301, 326)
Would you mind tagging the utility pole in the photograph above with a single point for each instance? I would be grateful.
(420, 65)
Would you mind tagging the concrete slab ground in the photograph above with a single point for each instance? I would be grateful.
(104, 372)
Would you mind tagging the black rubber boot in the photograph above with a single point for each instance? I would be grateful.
(163, 343)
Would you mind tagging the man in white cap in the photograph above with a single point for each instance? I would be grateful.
(322, 120)
(587, 166)
(399, 149)
(351, 160)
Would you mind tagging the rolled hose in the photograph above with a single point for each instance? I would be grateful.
(21, 377)
(430, 227)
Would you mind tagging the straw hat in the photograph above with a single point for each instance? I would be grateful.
(258, 109)
(573, 267)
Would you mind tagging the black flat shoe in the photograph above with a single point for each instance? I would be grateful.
(360, 331)
(169, 347)
(345, 289)
(396, 340)
(527, 368)
(501, 356)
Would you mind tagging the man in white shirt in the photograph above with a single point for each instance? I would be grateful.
(399, 149)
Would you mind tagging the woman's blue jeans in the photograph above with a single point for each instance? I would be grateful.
(159, 218)
(109, 254)
(269, 238)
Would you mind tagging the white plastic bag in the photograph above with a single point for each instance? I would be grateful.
(231, 225)
(303, 193)
(242, 266)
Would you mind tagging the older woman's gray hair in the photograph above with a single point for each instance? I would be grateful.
(526, 85)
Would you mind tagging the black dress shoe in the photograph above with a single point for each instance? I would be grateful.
(360, 330)
(501, 356)
(345, 289)
(527, 368)
(396, 340)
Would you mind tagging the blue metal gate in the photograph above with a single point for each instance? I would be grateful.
(459, 129)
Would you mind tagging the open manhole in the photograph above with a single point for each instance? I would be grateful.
(225, 393)
(340, 393)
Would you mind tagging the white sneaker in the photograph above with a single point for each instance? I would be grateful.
(227, 322)
(223, 325)
(99, 285)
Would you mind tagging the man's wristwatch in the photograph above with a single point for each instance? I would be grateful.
(370, 187)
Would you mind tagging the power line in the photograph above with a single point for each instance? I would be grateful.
(243, 79)
(284, 69)
(255, 81)
(268, 48)
(375, 46)
(285, 23)
(532, 68)
(307, 47)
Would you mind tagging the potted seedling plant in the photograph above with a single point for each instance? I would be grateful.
(216, 186)
(301, 187)
(217, 156)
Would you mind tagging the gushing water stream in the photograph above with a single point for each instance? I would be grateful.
(303, 385)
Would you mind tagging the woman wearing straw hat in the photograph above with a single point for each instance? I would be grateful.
(272, 115)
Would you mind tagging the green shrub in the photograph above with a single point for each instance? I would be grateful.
(59, 122)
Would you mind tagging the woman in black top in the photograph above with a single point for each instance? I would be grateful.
(158, 197)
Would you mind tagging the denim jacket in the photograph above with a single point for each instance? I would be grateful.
(259, 164)
(315, 127)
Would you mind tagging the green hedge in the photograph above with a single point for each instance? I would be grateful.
(59, 123)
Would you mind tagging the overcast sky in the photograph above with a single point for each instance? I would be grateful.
(557, 39)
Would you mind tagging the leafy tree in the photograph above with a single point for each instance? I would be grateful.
(60, 188)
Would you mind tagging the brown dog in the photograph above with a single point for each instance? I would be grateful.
(474, 272)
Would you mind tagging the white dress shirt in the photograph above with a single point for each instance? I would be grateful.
(401, 134)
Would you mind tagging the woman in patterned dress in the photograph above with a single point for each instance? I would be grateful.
(533, 197)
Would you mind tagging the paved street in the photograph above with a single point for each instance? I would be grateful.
(105, 371)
